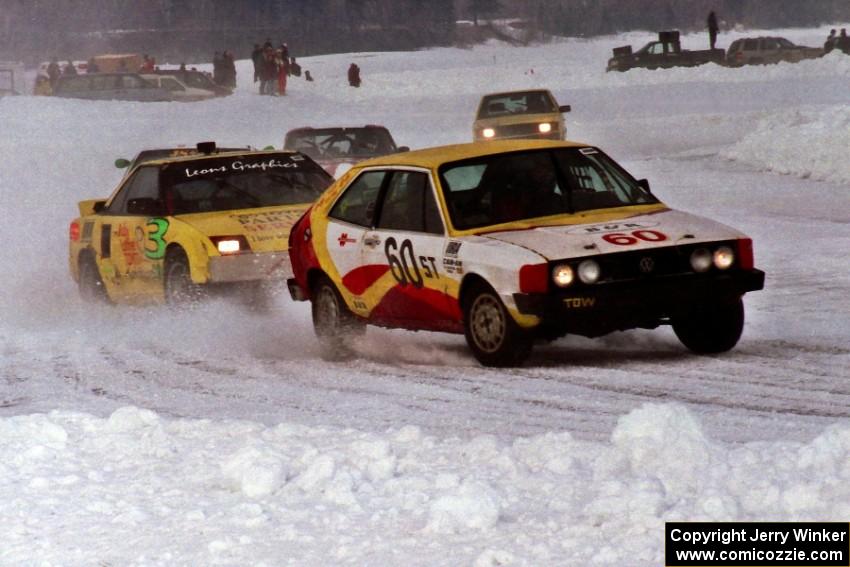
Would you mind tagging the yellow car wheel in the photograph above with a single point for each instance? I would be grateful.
(180, 290)
(91, 285)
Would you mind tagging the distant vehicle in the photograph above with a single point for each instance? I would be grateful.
(11, 78)
(178, 229)
(110, 86)
(520, 114)
(766, 50)
(155, 154)
(118, 62)
(180, 91)
(336, 147)
(196, 79)
(662, 54)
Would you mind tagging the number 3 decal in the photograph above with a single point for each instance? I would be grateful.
(155, 245)
(622, 239)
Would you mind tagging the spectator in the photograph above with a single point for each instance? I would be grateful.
(53, 72)
(268, 72)
(308, 76)
(282, 72)
(69, 68)
(713, 28)
(229, 67)
(256, 57)
(218, 67)
(294, 68)
(148, 64)
(829, 45)
(354, 75)
(843, 42)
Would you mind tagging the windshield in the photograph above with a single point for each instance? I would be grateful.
(241, 182)
(530, 102)
(334, 143)
(524, 185)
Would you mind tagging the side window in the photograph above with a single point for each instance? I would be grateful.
(171, 85)
(409, 204)
(144, 183)
(656, 49)
(133, 82)
(357, 204)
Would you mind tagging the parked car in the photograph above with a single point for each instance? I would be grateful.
(662, 54)
(179, 90)
(519, 114)
(509, 241)
(337, 148)
(180, 228)
(11, 78)
(197, 79)
(110, 86)
(155, 154)
(765, 50)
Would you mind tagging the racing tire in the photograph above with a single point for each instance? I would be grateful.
(180, 291)
(334, 324)
(91, 285)
(711, 329)
(491, 332)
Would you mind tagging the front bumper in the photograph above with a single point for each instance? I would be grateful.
(602, 308)
(250, 267)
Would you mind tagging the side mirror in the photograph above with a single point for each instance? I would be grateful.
(122, 163)
(404, 148)
(565, 108)
(644, 184)
(145, 206)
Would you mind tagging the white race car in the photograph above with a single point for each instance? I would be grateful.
(507, 241)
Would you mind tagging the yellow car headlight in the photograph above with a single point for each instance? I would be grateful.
(227, 245)
(544, 127)
(488, 132)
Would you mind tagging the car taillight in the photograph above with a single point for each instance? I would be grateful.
(746, 260)
(534, 278)
(74, 231)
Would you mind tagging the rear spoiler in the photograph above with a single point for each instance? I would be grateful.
(90, 206)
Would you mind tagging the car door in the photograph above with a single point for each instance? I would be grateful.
(132, 246)
(407, 244)
(348, 220)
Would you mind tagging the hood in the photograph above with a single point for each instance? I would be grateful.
(622, 234)
(266, 229)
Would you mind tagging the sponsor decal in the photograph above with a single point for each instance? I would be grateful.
(634, 237)
(405, 266)
(267, 221)
(452, 248)
(452, 266)
(579, 302)
(345, 239)
(241, 165)
(129, 245)
(612, 227)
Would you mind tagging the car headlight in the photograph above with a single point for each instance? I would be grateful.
(724, 257)
(227, 245)
(544, 127)
(701, 260)
(563, 275)
(488, 132)
(588, 271)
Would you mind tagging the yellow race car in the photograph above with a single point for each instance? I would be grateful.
(178, 228)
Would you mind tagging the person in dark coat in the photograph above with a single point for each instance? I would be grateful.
(92, 66)
(354, 75)
(69, 69)
(829, 44)
(256, 56)
(228, 65)
(308, 76)
(713, 28)
(53, 72)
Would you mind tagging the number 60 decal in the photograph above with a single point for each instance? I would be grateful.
(622, 239)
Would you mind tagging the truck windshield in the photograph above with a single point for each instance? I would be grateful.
(504, 188)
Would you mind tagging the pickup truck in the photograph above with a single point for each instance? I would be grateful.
(665, 53)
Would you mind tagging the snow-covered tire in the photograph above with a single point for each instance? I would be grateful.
(713, 328)
(90, 284)
(180, 290)
(491, 333)
(335, 326)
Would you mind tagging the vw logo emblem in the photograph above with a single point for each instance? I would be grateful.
(647, 264)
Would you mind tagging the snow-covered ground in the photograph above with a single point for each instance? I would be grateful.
(143, 437)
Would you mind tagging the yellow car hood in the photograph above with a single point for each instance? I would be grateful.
(266, 229)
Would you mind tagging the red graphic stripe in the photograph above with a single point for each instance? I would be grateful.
(360, 279)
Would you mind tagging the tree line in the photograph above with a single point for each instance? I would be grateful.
(181, 30)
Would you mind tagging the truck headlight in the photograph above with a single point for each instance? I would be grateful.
(724, 257)
(563, 275)
(701, 260)
(488, 132)
(588, 271)
(544, 127)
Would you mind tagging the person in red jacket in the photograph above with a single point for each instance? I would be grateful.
(282, 72)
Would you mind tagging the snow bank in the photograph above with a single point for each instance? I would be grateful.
(810, 143)
(197, 492)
